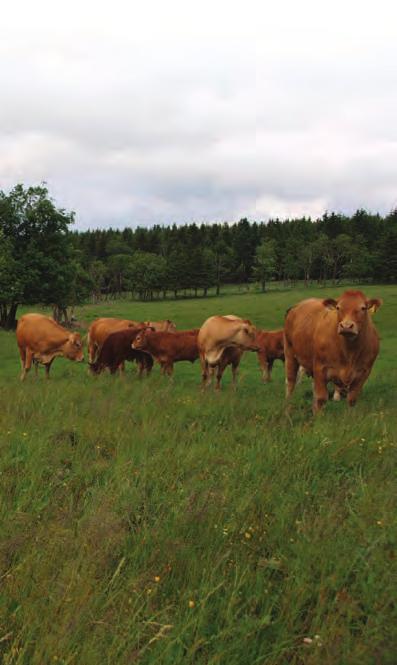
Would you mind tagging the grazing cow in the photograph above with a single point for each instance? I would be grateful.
(271, 348)
(162, 326)
(116, 349)
(40, 339)
(100, 329)
(168, 348)
(334, 341)
(220, 332)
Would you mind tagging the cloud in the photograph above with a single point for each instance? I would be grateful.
(142, 113)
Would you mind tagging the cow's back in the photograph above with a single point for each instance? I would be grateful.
(40, 333)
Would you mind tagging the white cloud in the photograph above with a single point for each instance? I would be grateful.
(159, 112)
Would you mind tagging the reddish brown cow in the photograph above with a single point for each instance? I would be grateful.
(40, 339)
(271, 348)
(334, 341)
(168, 348)
(116, 349)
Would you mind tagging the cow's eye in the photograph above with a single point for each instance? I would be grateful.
(363, 308)
(338, 308)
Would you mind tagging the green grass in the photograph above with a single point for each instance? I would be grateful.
(146, 522)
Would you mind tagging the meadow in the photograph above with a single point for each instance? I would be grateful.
(148, 522)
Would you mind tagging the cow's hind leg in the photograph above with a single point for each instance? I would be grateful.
(205, 373)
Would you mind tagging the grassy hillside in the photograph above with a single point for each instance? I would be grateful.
(146, 522)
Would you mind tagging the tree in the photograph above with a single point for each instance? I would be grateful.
(265, 262)
(38, 250)
(147, 274)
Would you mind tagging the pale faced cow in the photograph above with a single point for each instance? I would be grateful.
(40, 339)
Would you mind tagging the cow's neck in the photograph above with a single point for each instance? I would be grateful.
(352, 347)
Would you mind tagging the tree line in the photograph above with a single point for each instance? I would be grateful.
(42, 260)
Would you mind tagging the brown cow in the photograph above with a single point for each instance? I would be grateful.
(271, 348)
(116, 349)
(161, 326)
(100, 329)
(220, 332)
(168, 348)
(335, 341)
(40, 339)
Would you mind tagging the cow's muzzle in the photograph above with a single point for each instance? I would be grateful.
(347, 328)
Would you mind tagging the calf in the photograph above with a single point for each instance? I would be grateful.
(168, 347)
(116, 349)
(334, 341)
(271, 348)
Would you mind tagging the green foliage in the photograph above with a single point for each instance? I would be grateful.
(37, 251)
(146, 522)
(265, 262)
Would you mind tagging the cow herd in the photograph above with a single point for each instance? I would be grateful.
(333, 341)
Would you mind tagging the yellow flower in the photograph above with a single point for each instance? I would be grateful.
(24, 434)
(192, 604)
(157, 578)
(248, 535)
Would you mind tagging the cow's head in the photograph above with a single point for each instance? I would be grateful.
(141, 338)
(73, 348)
(353, 310)
(246, 336)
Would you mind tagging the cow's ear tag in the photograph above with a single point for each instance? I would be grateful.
(330, 303)
(374, 304)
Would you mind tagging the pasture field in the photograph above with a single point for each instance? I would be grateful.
(145, 522)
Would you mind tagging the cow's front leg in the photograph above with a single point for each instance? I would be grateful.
(27, 364)
(355, 389)
(291, 369)
(320, 392)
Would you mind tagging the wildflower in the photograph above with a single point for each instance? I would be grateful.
(248, 535)
(307, 640)
(157, 578)
(379, 522)
(192, 604)
(24, 434)
(148, 591)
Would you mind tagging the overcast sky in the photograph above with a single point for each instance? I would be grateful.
(177, 111)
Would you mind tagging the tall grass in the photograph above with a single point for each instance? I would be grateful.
(146, 522)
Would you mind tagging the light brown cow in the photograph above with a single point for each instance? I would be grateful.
(271, 348)
(220, 332)
(335, 341)
(40, 339)
(99, 331)
(162, 326)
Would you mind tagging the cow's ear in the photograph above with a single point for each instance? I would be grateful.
(330, 303)
(374, 304)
